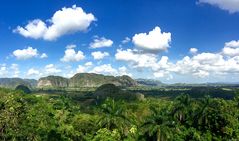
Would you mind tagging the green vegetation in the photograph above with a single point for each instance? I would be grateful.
(111, 91)
(14, 82)
(149, 82)
(60, 117)
(171, 92)
(23, 88)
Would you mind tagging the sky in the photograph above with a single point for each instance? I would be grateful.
(186, 41)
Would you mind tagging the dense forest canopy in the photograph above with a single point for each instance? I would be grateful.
(45, 117)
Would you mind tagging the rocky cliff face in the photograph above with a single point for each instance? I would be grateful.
(126, 81)
(44, 83)
(85, 80)
(96, 80)
(53, 81)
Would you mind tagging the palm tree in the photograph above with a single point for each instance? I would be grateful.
(114, 117)
(182, 108)
(200, 117)
(236, 99)
(157, 126)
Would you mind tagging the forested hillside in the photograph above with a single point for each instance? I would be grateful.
(13, 82)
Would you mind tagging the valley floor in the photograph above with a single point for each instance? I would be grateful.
(162, 114)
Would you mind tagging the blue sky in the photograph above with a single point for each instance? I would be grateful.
(173, 41)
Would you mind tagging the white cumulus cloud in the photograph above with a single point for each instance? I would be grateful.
(25, 54)
(104, 69)
(231, 6)
(44, 55)
(88, 64)
(51, 69)
(81, 69)
(231, 49)
(15, 70)
(33, 72)
(3, 70)
(101, 42)
(126, 40)
(84, 68)
(200, 65)
(64, 21)
(135, 58)
(98, 55)
(155, 40)
(124, 71)
(34, 29)
(72, 56)
(28, 53)
(232, 44)
(193, 50)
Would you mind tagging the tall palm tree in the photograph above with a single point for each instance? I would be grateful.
(157, 126)
(200, 116)
(182, 108)
(114, 116)
(236, 99)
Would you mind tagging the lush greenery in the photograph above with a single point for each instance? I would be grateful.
(23, 88)
(225, 92)
(44, 117)
(111, 91)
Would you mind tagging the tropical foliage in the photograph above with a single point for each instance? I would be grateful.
(42, 117)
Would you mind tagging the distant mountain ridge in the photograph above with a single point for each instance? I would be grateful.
(149, 82)
(95, 80)
(85, 80)
(14, 82)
